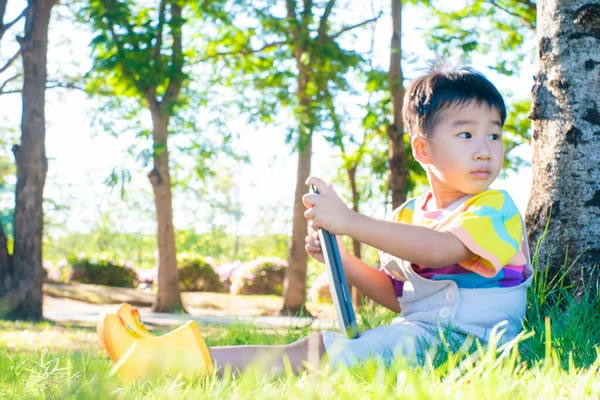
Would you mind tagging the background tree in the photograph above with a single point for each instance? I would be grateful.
(320, 61)
(566, 139)
(139, 55)
(301, 50)
(395, 130)
(21, 272)
(481, 27)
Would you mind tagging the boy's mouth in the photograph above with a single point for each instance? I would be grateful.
(481, 173)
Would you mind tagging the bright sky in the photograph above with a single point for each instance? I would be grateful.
(80, 161)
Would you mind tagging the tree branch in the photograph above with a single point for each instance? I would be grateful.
(129, 74)
(159, 35)
(531, 6)
(322, 33)
(9, 62)
(14, 21)
(524, 20)
(334, 118)
(5, 27)
(65, 85)
(349, 28)
(292, 17)
(244, 51)
(2, 12)
(6, 82)
(54, 85)
(176, 79)
(307, 13)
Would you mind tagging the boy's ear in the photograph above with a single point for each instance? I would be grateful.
(419, 149)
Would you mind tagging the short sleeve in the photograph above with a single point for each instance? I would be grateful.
(490, 226)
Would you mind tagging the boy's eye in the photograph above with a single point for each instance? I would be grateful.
(464, 135)
(495, 136)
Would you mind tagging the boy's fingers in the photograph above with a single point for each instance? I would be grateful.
(312, 249)
(309, 214)
(309, 199)
(311, 239)
(319, 184)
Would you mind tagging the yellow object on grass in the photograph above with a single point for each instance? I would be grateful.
(137, 354)
(133, 319)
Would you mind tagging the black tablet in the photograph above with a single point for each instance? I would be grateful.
(342, 300)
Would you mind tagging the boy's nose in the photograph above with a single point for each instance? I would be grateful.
(483, 151)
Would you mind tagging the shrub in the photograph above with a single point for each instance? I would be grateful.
(198, 275)
(319, 290)
(101, 272)
(147, 277)
(261, 276)
(53, 272)
(226, 271)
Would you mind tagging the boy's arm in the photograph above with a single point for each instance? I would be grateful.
(372, 282)
(413, 243)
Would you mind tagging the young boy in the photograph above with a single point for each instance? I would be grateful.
(453, 259)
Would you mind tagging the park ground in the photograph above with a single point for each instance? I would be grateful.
(558, 356)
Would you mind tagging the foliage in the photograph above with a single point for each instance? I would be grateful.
(144, 57)
(220, 245)
(516, 131)
(197, 274)
(481, 26)
(102, 272)
(261, 276)
(103, 242)
(140, 248)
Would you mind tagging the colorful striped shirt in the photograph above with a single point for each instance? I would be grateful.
(488, 224)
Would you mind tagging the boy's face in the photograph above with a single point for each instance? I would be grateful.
(464, 153)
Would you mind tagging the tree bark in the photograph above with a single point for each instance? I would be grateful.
(22, 298)
(355, 201)
(294, 286)
(357, 296)
(395, 131)
(566, 139)
(168, 298)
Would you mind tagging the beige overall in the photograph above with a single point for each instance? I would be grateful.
(428, 307)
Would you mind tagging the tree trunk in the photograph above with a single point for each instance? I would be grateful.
(355, 201)
(24, 298)
(168, 298)
(294, 287)
(566, 138)
(356, 295)
(396, 153)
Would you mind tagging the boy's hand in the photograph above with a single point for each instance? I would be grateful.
(313, 244)
(326, 209)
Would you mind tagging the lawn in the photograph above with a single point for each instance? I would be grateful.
(558, 357)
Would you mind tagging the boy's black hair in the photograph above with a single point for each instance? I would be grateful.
(430, 94)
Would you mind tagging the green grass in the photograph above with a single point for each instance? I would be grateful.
(558, 356)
